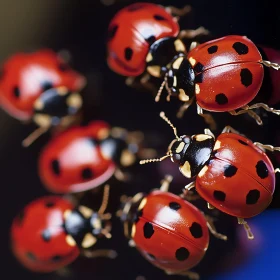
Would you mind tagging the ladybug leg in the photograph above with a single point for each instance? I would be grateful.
(209, 132)
(179, 12)
(193, 45)
(267, 147)
(189, 33)
(111, 254)
(228, 128)
(241, 221)
(210, 206)
(277, 170)
(273, 65)
(184, 108)
(207, 118)
(264, 106)
(212, 228)
(34, 135)
(189, 195)
(189, 274)
(165, 183)
(64, 272)
(121, 176)
(144, 82)
(250, 113)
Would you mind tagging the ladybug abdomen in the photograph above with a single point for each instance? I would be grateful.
(239, 180)
(228, 87)
(165, 248)
(132, 31)
(170, 232)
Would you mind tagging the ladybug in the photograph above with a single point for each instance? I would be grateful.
(40, 87)
(51, 232)
(84, 157)
(169, 232)
(231, 173)
(222, 75)
(146, 37)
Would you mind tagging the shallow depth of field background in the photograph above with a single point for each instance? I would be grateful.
(80, 27)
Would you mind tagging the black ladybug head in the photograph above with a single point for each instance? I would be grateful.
(55, 104)
(177, 149)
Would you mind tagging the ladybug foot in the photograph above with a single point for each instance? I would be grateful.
(190, 34)
(212, 228)
(191, 275)
(267, 147)
(250, 235)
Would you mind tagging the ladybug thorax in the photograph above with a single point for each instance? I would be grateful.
(161, 53)
(180, 78)
(192, 153)
(54, 104)
(82, 226)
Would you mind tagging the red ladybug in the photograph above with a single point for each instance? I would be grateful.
(41, 87)
(51, 233)
(169, 232)
(222, 75)
(146, 36)
(85, 157)
(231, 173)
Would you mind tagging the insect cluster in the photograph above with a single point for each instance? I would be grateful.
(224, 169)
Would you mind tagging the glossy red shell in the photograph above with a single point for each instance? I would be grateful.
(240, 178)
(42, 216)
(130, 29)
(170, 232)
(70, 162)
(30, 72)
(228, 73)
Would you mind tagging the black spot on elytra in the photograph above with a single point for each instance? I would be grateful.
(240, 48)
(199, 78)
(219, 195)
(16, 92)
(46, 235)
(198, 67)
(87, 173)
(152, 257)
(150, 40)
(252, 197)
(242, 142)
(135, 7)
(262, 170)
(20, 217)
(55, 167)
(138, 215)
(31, 256)
(56, 258)
(212, 49)
(148, 230)
(246, 77)
(112, 31)
(221, 99)
(182, 254)
(174, 206)
(46, 86)
(159, 17)
(128, 52)
(230, 170)
(49, 204)
(63, 67)
(196, 230)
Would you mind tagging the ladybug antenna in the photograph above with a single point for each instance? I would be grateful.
(160, 91)
(156, 159)
(162, 115)
(105, 200)
(33, 136)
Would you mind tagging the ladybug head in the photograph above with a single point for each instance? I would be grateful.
(54, 107)
(128, 212)
(177, 147)
(179, 80)
(161, 52)
(83, 226)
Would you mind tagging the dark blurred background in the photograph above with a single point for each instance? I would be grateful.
(80, 27)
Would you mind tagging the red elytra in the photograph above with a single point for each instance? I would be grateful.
(239, 178)
(170, 232)
(25, 76)
(73, 160)
(38, 237)
(131, 32)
